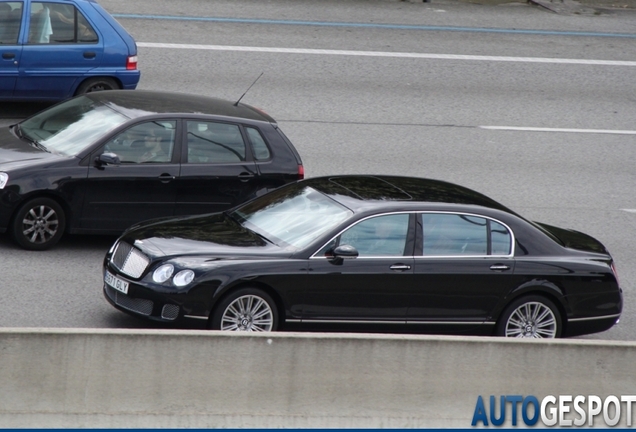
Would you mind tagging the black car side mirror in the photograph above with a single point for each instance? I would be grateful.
(343, 252)
(107, 159)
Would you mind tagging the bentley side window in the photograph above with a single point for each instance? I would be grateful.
(377, 236)
(454, 234)
(500, 238)
(448, 234)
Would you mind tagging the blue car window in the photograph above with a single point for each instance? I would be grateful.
(85, 32)
(10, 19)
(59, 23)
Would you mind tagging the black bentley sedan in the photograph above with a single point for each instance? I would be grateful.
(366, 253)
(98, 163)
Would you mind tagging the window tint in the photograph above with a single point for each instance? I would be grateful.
(58, 23)
(150, 142)
(10, 18)
(85, 32)
(451, 234)
(210, 142)
(261, 152)
(378, 236)
(501, 239)
(455, 234)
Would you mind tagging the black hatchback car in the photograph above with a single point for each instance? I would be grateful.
(98, 163)
(366, 253)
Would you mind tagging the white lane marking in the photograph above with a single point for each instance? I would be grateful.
(536, 129)
(629, 210)
(386, 54)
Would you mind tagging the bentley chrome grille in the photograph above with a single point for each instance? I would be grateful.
(129, 260)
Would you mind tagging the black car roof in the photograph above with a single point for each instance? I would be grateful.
(137, 103)
(365, 188)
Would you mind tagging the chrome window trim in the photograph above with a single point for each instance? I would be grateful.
(498, 256)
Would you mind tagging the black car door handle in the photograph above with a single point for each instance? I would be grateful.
(400, 267)
(245, 176)
(89, 54)
(499, 267)
(165, 178)
(8, 55)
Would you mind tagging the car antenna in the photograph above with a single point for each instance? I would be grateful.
(248, 89)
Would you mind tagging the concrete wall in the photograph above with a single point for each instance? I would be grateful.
(154, 379)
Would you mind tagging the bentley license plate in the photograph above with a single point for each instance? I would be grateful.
(115, 282)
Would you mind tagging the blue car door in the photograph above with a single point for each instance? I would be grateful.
(10, 50)
(61, 48)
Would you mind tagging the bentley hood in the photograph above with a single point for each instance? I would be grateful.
(214, 235)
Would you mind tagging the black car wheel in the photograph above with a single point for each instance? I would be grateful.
(38, 224)
(97, 84)
(530, 317)
(246, 309)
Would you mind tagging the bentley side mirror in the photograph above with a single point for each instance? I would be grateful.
(343, 252)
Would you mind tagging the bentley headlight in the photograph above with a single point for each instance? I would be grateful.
(183, 278)
(4, 179)
(163, 273)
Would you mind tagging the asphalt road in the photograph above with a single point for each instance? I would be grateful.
(532, 108)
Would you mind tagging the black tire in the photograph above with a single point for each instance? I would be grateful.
(246, 309)
(97, 84)
(38, 224)
(531, 316)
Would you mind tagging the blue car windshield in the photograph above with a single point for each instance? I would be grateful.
(72, 126)
(296, 215)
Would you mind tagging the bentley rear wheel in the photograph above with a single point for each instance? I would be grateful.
(530, 317)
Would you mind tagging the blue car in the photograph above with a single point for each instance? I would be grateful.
(53, 50)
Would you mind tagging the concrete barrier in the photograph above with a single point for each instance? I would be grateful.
(195, 379)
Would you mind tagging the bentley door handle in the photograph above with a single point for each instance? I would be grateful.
(499, 267)
(400, 267)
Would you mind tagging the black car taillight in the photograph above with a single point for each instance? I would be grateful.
(301, 172)
(613, 266)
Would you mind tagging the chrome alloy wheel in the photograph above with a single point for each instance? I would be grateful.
(248, 313)
(40, 224)
(531, 320)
